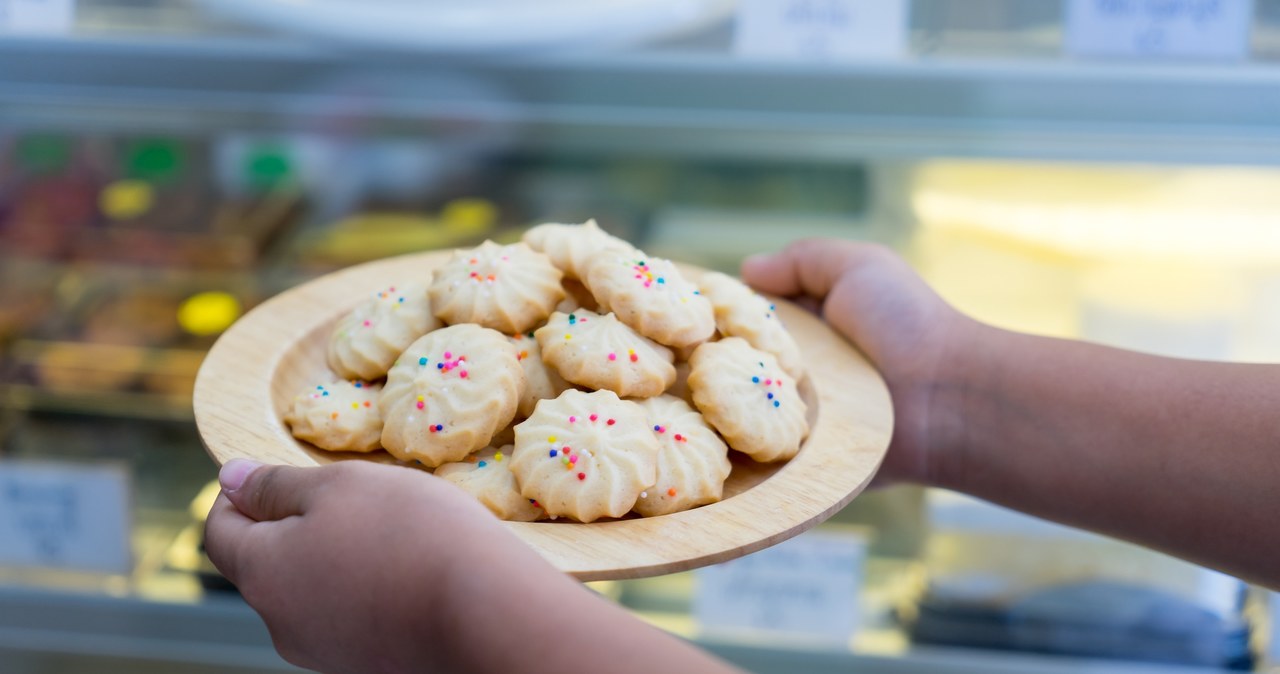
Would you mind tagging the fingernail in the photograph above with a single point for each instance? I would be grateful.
(234, 473)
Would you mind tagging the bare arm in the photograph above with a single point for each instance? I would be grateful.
(357, 567)
(1178, 455)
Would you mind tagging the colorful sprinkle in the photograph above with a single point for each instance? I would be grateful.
(659, 429)
(463, 374)
(609, 422)
(776, 403)
(671, 492)
(632, 353)
(613, 356)
(582, 476)
(593, 417)
(572, 419)
(498, 457)
(366, 324)
(755, 380)
(368, 403)
(552, 453)
(481, 464)
(567, 336)
(333, 416)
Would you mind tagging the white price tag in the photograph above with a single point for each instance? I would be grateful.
(65, 517)
(807, 587)
(821, 30)
(1159, 28)
(37, 16)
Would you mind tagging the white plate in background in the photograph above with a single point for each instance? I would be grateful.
(479, 25)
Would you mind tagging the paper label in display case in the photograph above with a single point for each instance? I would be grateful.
(37, 16)
(65, 517)
(1177, 29)
(821, 30)
(806, 587)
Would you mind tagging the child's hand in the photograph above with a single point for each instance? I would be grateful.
(914, 338)
(343, 562)
(359, 567)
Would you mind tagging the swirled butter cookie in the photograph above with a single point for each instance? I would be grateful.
(600, 352)
(741, 312)
(585, 455)
(541, 380)
(508, 288)
(367, 340)
(340, 416)
(573, 247)
(449, 393)
(693, 461)
(745, 395)
(650, 295)
(486, 475)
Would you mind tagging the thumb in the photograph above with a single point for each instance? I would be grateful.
(809, 267)
(267, 493)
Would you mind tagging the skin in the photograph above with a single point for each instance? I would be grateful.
(1181, 456)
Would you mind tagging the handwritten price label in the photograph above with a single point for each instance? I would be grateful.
(821, 30)
(807, 586)
(65, 517)
(1204, 29)
(37, 16)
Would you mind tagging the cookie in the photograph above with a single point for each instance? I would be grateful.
(508, 288)
(486, 475)
(650, 295)
(571, 248)
(341, 416)
(745, 395)
(449, 393)
(367, 341)
(599, 352)
(541, 380)
(741, 312)
(693, 461)
(585, 455)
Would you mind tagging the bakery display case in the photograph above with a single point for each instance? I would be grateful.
(166, 165)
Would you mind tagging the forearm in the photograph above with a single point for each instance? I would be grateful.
(529, 617)
(1182, 456)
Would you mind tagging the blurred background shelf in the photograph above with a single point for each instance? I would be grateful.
(164, 66)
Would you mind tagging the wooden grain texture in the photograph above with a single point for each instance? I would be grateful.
(275, 351)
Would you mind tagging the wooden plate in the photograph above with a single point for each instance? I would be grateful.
(275, 351)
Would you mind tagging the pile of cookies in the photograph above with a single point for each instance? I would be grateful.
(569, 375)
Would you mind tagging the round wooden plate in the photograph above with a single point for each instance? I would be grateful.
(275, 351)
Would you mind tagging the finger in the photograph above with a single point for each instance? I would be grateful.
(269, 493)
(226, 532)
(808, 267)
